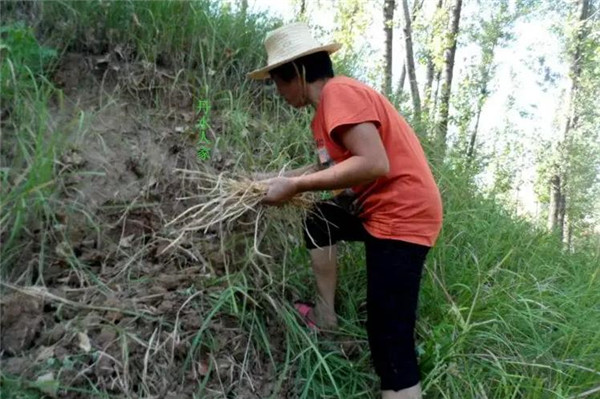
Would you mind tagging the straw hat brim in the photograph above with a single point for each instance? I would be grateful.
(263, 73)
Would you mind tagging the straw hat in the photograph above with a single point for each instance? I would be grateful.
(288, 43)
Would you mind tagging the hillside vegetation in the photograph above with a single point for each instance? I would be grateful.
(100, 106)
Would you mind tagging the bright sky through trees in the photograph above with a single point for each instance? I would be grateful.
(519, 78)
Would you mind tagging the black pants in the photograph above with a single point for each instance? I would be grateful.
(393, 277)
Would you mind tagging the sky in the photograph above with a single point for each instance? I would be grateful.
(535, 103)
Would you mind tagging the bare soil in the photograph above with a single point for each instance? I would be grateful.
(109, 310)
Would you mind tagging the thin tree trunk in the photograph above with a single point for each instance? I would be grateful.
(569, 234)
(417, 5)
(555, 200)
(410, 63)
(583, 7)
(428, 82)
(436, 93)
(400, 87)
(449, 55)
(388, 29)
(471, 149)
(429, 73)
(560, 208)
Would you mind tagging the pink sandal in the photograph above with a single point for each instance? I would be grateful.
(303, 309)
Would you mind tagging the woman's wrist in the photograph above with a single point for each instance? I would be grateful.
(299, 184)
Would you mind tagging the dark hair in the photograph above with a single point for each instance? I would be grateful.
(316, 66)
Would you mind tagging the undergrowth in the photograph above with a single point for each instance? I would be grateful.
(504, 311)
(29, 152)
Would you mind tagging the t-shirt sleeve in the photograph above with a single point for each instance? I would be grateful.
(347, 105)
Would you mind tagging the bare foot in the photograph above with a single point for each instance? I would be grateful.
(323, 318)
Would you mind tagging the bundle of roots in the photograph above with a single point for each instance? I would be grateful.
(222, 199)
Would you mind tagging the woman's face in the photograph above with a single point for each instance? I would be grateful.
(291, 91)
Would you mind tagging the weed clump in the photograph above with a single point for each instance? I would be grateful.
(224, 199)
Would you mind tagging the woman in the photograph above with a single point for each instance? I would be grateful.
(387, 197)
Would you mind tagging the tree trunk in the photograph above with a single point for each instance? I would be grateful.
(388, 29)
(449, 55)
(410, 63)
(569, 234)
(471, 149)
(555, 200)
(428, 82)
(436, 93)
(560, 208)
(583, 7)
(400, 87)
(429, 73)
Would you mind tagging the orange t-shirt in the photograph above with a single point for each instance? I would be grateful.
(404, 204)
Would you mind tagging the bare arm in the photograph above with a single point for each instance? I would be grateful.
(290, 173)
(305, 170)
(368, 162)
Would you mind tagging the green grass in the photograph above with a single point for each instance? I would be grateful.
(29, 151)
(504, 311)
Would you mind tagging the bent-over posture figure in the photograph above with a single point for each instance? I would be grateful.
(385, 196)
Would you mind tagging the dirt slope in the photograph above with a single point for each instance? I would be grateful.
(117, 314)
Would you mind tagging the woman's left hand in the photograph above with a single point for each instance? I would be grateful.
(281, 189)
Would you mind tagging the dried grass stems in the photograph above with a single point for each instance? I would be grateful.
(224, 199)
(146, 354)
